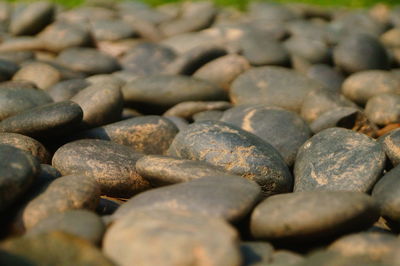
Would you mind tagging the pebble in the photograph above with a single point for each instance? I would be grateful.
(384, 109)
(327, 76)
(65, 90)
(390, 143)
(256, 252)
(187, 110)
(111, 164)
(239, 152)
(111, 30)
(317, 166)
(40, 74)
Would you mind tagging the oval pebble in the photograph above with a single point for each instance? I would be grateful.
(391, 145)
(384, 109)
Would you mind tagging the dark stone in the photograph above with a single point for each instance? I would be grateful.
(111, 164)
(88, 60)
(327, 76)
(111, 30)
(25, 143)
(272, 85)
(7, 69)
(338, 159)
(284, 130)
(313, 215)
(358, 22)
(147, 134)
(46, 121)
(14, 100)
(162, 170)
(384, 109)
(107, 206)
(235, 150)
(256, 253)
(65, 90)
(41, 74)
(390, 143)
(179, 122)
(18, 170)
(350, 54)
(187, 110)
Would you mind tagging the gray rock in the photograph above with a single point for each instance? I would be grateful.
(256, 252)
(313, 50)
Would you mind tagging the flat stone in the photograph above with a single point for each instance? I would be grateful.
(236, 151)
(25, 143)
(163, 170)
(384, 109)
(101, 104)
(272, 85)
(111, 30)
(284, 130)
(187, 110)
(111, 164)
(313, 215)
(391, 145)
(81, 223)
(46, 121)
(175, 239)
(56, 248)
(362, 86)
(147, 134)
(18, 170)
(69, 192)
(15, 99)
(65, 90)
(338, 159)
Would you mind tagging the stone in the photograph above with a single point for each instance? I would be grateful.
(284, 257)
(81, 223)
(160, 92)
(18, 170)
(32, 18)
(325, 258)
(236, 151)
(105, 78)
(349, 54)
(16, 99)
(273, 11)
(175, 239)
(147, 134)
(41, 74)
(284, 130)
(65, 90)
(384, 109)
(362, 86)
(17, 57)
(111, 164)
(107, 206)
(358, 22)
(256, 252)
(46, 121)
(226, 197)
(327, 76)
(86, 14)
(208, 115)
(313, 50)
(101, 104)
(338, 159)
(7, 69)
(69, 192)
(223, 70)
(187, 110)
(179, 122)
(88, 60)
(25, 143)
(111, 30)
(272, 85)
(163, 170)
(391, 38)
(308, 29)
(22, 43)
(56, 248)
(390, 143)
(313, 215)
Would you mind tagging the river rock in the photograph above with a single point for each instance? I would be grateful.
(41, 74)
(256, 252)
(187, 110)
(390, 143)
(65, 90)
(384, 109)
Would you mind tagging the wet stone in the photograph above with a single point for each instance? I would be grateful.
(81, 223)
(111, 164)
(69, 192)
(65, 90)
(272, 85)
(363, 85)
(56, 248)
(187, 110)
(384, 109)
(390, 143)
(111, 30)
(18, 170)
(284, 130)
(41, 74)
(46, 121)
(30, 145)
(235, 150)
(324, 214)
(361, 158)
(147, 134)
(163, 170)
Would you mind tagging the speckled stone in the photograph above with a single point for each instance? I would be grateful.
(34, 147)
(65, 193)
(175, 239)
(160, 92)
(56, 248)
(50, 120)
(225, 197)
(147, 134)
(384, 109)
(186, 110)
(32, 18)
(391, 145)
(111, 164)
(338, 159)
(65, 90)
(163, 170)
(313, 215)
(362, 86)
(373, 245)
(284, 130)
(14, 100)
(88, 60)
(235, 150)
(256, 253)
(111, 30)
(81, 223)
(101, 104)
(18, 170)
(272, 85)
